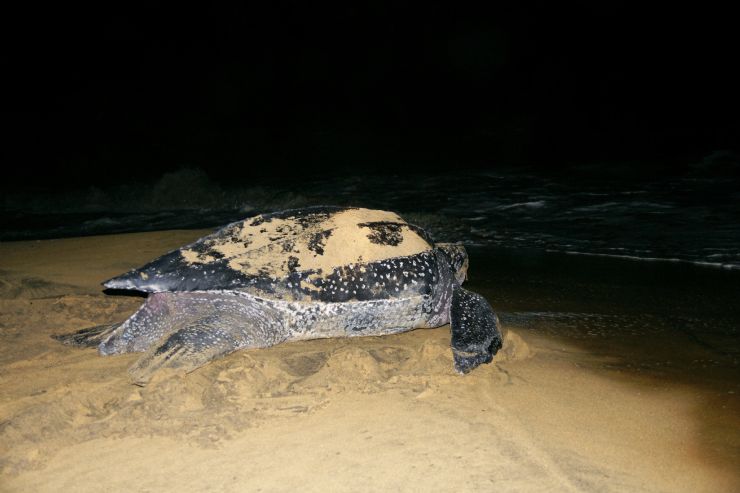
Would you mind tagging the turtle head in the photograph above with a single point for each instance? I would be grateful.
(458, 259)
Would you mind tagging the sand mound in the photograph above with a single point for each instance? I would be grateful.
(514, 348)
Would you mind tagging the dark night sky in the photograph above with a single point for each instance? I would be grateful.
(121, 93)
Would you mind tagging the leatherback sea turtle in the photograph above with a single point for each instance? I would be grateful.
(298, 274)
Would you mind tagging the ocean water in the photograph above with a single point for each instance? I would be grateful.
(692, 216)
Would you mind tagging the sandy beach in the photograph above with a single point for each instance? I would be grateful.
(366, 414)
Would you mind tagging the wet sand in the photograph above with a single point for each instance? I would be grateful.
(557, 411)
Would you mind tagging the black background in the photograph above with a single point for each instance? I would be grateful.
(116, 93)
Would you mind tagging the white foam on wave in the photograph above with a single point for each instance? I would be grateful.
(624, 206)
(717, 265)
(535, 204)
(101, 222)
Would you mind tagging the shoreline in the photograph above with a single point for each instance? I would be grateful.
(553, 412)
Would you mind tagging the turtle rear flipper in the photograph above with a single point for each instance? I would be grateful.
(475, 333)
(89, 337)
(150, 322)
(159, 315)
(200, 342)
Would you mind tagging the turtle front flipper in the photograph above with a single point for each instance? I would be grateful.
(475, 330)
(202, 341)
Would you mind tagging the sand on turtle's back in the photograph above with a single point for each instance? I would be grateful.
(276, 246)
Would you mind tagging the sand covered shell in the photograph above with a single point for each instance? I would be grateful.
(317, 239)
(330, 254)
